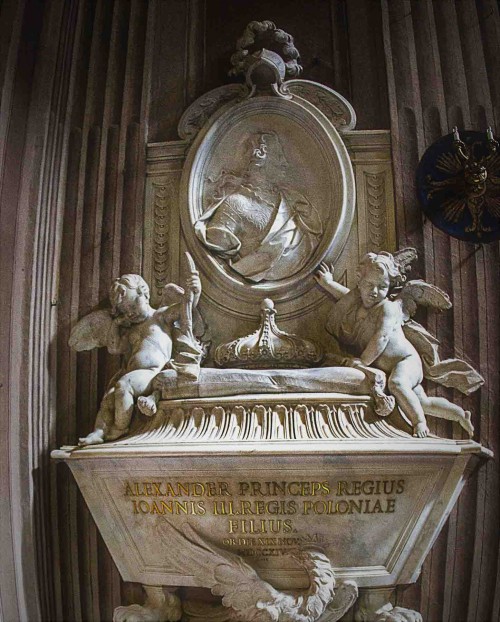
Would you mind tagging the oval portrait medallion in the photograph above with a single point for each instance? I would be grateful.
(268, 193)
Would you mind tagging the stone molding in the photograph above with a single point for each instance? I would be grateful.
(263, 418)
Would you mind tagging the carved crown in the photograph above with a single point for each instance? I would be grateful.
(268, 347)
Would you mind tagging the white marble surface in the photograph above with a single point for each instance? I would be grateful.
(384, 544)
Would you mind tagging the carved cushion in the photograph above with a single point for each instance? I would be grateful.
(224, 382)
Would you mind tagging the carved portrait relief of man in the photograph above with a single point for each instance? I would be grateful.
(257, 220)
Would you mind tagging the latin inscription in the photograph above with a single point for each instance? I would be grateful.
(259, 517)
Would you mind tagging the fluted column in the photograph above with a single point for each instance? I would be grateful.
(437, 59)
(36, 90)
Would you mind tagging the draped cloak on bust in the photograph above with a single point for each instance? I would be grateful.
(279, 249)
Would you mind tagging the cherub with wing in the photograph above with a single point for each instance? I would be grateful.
(374, 323)
(143, 336)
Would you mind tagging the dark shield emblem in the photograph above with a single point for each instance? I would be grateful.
(458, 185)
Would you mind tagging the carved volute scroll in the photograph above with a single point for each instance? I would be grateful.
(335, 107)
(195, 117)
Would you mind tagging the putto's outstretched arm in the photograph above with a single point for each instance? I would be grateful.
(324, 278)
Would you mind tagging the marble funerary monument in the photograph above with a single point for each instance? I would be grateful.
(266, 436)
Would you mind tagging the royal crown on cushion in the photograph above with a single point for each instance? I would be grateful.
(268, 347)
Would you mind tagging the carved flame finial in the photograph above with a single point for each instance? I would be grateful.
(259, 36)
(268, 346)
(266, 55)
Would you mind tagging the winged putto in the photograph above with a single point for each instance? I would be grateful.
(373, 323)
(148, 339)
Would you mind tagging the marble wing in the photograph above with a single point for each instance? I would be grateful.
(92, 331)
(404, 259)
(227, 575)
(454, 373)
(419, 292)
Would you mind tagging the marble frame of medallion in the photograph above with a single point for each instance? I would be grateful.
(373, 228)
(268, 111)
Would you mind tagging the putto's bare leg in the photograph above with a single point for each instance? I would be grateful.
(94, 438)
(444, 409)
(103, 422)
(127, 389)
(148, 404)
(401, 384)
(124, 408)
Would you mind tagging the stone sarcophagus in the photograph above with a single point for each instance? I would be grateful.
(267, 435)
(266, 479)
(373, 510)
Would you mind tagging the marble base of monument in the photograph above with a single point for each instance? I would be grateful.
(257, 482)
